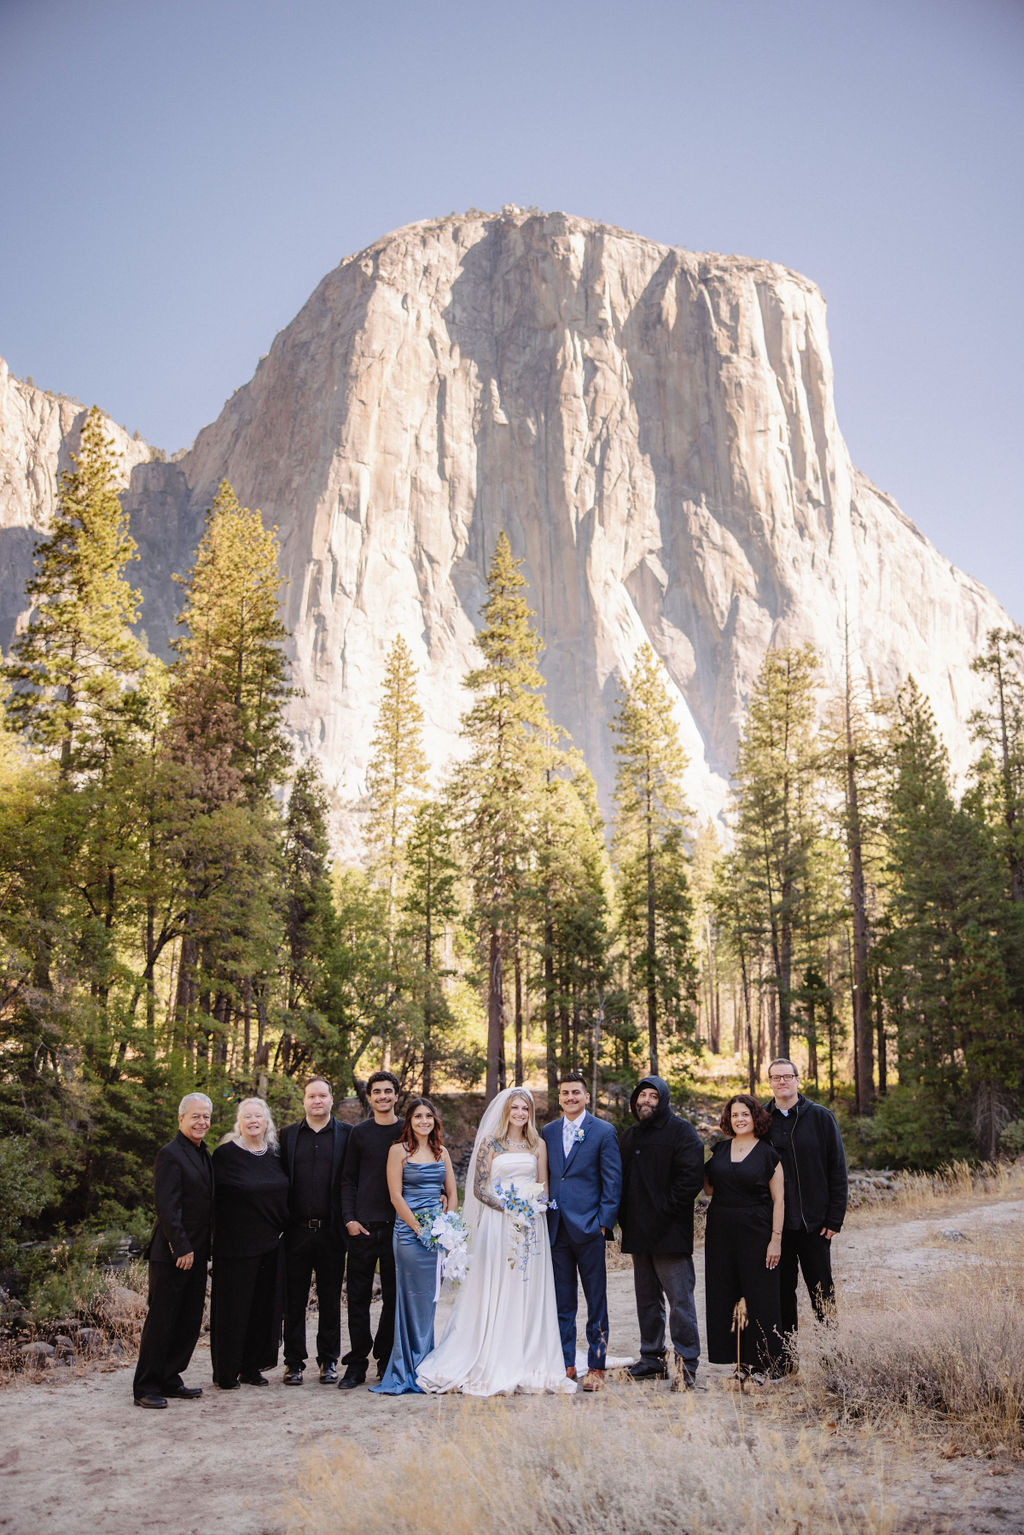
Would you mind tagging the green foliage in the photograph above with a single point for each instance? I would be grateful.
(655, 910)
(26, 1188)
(916, 1127)
(1011, 1138)
(71, 666)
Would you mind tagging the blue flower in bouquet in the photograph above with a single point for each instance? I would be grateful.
(446, 1233)
(522, 1202)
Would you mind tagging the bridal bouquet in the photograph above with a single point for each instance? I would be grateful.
(446, 1233)
(522, 1203)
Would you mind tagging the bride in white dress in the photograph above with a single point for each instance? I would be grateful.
(502, 1335)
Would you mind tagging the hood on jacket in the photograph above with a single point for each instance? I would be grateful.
(664, 1108)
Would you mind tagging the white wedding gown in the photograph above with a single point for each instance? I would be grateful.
(502, 1335)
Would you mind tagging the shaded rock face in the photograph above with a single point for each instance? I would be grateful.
(653, 429)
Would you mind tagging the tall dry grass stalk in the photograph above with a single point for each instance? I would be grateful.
(948, 1352)
(696, 1466)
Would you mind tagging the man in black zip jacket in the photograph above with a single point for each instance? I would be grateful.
(807, 1138)
(662, 1174)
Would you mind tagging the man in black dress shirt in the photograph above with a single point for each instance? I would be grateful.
(312, 1154)
(369, 1223)
(178, 1254)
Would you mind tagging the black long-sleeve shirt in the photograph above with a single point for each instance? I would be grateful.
(364, 1179)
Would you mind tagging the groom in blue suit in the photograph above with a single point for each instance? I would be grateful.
(585, 1172)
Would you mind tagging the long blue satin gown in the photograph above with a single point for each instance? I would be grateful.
(416, 1270)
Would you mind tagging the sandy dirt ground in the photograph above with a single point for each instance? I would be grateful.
(76, 1455)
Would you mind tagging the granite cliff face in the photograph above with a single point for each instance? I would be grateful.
(653, 429)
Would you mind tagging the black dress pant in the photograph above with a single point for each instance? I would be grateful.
(245, 1315)
(364, 1254)
(734, 1266)
(813, 1254)
(308, 1253)
(172, 1327)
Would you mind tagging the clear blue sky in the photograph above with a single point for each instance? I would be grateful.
(177, 175)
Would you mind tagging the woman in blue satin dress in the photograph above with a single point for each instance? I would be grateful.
(420, 1180)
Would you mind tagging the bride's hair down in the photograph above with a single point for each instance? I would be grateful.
(530, 1133)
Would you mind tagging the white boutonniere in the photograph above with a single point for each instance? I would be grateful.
(578, 1134)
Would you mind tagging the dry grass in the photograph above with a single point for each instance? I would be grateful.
(947, 1353)
(662, 1463)
(924, 1194)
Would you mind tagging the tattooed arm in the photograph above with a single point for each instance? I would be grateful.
(482, 1180)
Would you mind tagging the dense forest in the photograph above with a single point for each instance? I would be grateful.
(170, 915)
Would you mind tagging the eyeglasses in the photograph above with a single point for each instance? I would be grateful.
(789, 1076)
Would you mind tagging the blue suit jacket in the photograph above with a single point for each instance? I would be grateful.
(585, 1186)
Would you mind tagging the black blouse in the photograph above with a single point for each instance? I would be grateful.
(250, 1202)
(740, 1185)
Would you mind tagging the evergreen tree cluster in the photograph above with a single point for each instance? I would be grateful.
(170, 916)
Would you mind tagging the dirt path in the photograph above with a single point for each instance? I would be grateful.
(78, 1456)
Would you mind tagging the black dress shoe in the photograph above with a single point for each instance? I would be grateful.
(292, 1375)
(255, 1379)
(648, 1369)
(329, 1373)
(150, 1399)
(351, 1378)
(185, 1393)
(227, 1385)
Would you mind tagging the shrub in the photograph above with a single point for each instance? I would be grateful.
(915, 1127)
(25, 1188)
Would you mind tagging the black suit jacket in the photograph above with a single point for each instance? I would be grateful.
(339, 1137)
(183, 1187)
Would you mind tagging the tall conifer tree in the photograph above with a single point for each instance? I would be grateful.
(502, 776)
(651, 818)
(72, 665)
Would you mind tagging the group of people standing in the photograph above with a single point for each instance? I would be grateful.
(287, 1213)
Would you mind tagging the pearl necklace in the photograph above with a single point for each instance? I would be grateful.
(261, 1153)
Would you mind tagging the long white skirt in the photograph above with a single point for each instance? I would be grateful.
(502, 1335)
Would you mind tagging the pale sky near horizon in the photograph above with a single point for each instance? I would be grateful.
(178, 175)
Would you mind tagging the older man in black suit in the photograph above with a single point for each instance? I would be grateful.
(312, 1153)
(178, 1254)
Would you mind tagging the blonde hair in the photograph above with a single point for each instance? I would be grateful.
(530, 1132)
(270, 1132)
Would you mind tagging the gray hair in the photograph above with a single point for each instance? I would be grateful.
(197, 1097)
(270, 1134)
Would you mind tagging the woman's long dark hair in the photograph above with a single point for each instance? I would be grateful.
(435, 1140)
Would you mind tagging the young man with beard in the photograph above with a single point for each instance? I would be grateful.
(662, 1174)
(807, 1138)
(369, 1218)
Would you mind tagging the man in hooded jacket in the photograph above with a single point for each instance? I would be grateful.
(662, 1174)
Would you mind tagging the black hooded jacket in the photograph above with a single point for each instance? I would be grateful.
(662, 1174)
(813, 1162)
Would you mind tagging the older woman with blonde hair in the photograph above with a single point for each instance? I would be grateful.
(249, 1217)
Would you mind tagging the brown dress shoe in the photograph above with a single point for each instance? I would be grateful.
(593, 1380)
(570, 1372)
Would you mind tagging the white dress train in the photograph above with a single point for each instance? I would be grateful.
(502, 1335)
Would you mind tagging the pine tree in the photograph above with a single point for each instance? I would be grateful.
(650, 853)
(73, 664)
(1001, 731)
(395, 782)
(231, 679)
(497, 785)
(226, 733)
(309, 922)
(776, 791)
(429, 911)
